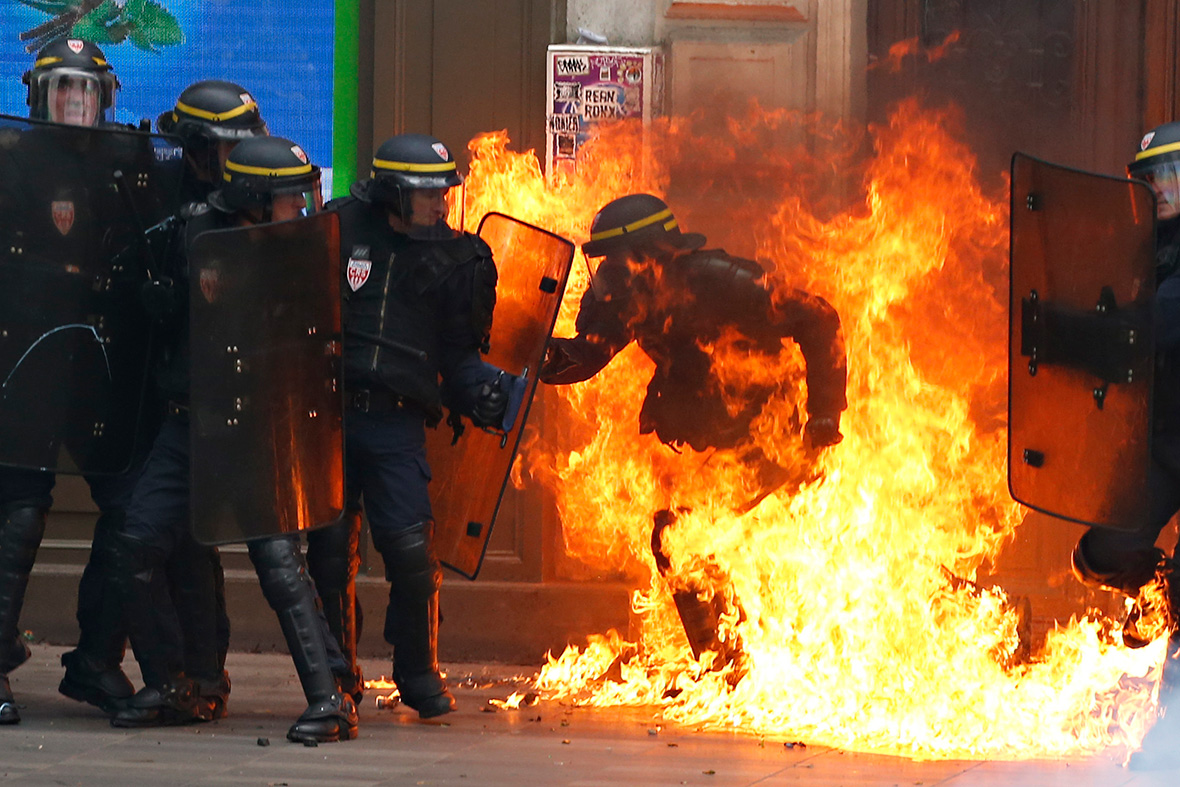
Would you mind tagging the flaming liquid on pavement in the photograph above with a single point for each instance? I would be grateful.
(863, 627)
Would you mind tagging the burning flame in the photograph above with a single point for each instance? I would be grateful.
(861, 623)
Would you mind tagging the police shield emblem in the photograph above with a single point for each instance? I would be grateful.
(359, 266)
(265, 403)
(1081, 343)
(74, 341)
(63, 215)
(470, 478)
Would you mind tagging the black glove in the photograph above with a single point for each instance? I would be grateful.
(822, 431)
(490, 405)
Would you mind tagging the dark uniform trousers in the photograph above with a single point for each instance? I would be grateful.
(157, 528)
(26, 496)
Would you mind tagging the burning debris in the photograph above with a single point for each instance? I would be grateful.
(851, 634)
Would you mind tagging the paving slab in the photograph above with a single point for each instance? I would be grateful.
(61, 742)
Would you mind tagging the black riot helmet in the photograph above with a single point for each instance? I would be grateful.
(637, 221)
(208, 113)
(1158, 163)
(402, 164)
(71, 82)
(262, 170)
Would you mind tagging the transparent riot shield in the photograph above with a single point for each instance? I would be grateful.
(469, 477)
(265, 403)
(1080, 343)
(75, 207)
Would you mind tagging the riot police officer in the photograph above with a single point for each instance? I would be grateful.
(210, 117)
(266, 179)
(657, 286)
(1127, 561)
(71, 82)
(418, 305)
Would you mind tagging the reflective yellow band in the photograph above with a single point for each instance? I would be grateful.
(270, 172)
(405, 166)
(48, 61)
(1157, 151)
(637, 225)
(216, 117)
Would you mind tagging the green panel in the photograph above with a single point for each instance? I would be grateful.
(344, 91)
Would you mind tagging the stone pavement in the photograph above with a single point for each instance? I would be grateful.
(61, 742)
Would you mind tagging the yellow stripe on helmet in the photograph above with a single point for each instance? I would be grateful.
(270, 172)
(46, 61)
(637, 225)
(406, 166)
(1169, 148)
(216, 117)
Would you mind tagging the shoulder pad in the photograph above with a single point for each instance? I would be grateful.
(482, 249)
(191, 210)
(339, 203)
(716, 262)
(461, 249)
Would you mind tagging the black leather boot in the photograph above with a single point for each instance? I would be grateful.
(20, 536)
(168, 696)
(701, 608)
(411, 621)
(331, 714)
(106, 689)
(333, 559)
(197, 584)
(8, 710)
(94, 672)
(174, 702)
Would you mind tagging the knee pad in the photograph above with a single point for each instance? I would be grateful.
(408, 552)
(1137, 570)
(280, 571)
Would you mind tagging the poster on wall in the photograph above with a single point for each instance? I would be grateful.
(282, 53)
(589, 85)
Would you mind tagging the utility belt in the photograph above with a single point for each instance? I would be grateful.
(377, 400)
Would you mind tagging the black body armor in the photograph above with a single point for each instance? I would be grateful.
(408, 303)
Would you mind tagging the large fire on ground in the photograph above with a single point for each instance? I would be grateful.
(863, 627)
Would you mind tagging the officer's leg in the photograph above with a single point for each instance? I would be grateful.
(26, 496)
(156, 521)
(93, 669)
(196, 579)
(1126, 561)
(1160, 748)
(331, 714)
(389, 454)
(701, 617)
(333, 560)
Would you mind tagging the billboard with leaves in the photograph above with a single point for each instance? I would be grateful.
(281, 52)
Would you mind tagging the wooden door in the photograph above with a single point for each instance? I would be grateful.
(454, 69)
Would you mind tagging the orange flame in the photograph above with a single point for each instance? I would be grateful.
(861, 624)
(900, 50)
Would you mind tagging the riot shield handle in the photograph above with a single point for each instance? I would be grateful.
(1104, 342)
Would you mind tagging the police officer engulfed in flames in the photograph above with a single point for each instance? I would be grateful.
(659, 288)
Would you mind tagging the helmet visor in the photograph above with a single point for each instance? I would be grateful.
(296, 200)
(73, 97)
(1164, 179)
